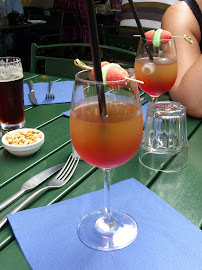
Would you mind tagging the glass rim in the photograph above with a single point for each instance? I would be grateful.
(15, 60)
(156, 108)
(97, 82)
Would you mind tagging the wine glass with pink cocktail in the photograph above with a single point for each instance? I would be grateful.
(156, 64)
(106, 141)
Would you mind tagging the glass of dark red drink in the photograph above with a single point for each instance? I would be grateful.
(11, 93)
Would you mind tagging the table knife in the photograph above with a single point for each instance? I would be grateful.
(32, 96)
(31, 184)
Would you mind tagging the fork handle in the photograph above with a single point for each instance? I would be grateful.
(50, 86)
(13, 198)
(22, 204)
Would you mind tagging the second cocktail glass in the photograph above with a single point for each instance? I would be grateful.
(106, 142)
(156, 66)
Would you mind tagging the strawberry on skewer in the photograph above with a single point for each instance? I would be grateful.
(113, 72)
(161, 36)
(103, 63)
(110, 72)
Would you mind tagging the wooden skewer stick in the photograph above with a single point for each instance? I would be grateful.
(82, 65)
(188, 39)
(134, 80)
(185, 37)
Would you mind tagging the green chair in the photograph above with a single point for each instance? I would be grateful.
(120, 36)
(52, 60)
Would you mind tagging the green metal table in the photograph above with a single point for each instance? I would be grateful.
(182, 190)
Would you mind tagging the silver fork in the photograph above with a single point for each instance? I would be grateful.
(143, 101)
(60, 180)
(50, 95)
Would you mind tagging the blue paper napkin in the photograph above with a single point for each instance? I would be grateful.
(166, 240)
(67, 113)
(62, 91)
(144, 112)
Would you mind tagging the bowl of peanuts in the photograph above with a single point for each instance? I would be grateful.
(23, 142)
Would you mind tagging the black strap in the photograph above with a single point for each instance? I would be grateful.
(197, 13)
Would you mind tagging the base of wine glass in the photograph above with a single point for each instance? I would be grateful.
(9, 127)
(99, 234)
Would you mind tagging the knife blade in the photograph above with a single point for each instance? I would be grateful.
(31, 184)
(32, 96)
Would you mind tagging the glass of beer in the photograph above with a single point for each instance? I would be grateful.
(11, 93)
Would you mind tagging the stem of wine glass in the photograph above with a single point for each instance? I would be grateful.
(154, 99)
(108, 218)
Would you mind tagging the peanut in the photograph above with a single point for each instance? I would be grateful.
(23, 137)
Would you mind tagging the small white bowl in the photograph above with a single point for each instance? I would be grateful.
(23, 150)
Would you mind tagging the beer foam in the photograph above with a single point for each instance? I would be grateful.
(10, 71)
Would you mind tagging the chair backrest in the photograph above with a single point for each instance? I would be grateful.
(120, 36)
(64, 67)
(61, 67)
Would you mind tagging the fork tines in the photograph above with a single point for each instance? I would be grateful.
(50, 95)
(68, 167)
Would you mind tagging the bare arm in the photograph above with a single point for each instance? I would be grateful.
(179, 20)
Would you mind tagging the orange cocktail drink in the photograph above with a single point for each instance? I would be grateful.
(106, 132)
(156, 65)
(158, 76)
(110, 141)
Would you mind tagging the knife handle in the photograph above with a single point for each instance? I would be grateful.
(13, 198)
(22, 205)
(31, 86)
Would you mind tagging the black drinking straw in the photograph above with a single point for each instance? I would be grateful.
(132, 6)
(95, 51)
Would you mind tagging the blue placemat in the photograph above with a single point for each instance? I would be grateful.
(62, 91)
(166, 240)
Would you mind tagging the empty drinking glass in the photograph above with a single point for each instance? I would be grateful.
(164, 145)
